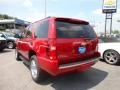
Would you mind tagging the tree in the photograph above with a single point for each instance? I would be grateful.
(116, 32)
(4, 16)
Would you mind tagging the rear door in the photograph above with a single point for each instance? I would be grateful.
(75, 41)
(25, 43)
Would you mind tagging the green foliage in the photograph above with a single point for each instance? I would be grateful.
(4, 16)
(116, 32)
(2, 29)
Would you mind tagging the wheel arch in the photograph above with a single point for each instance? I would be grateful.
(10, 41)
(13, 42)
(31, 53)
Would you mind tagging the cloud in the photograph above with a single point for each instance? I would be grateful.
(12, 2)
(98, 15)
(40, 15)
(54, 0)
(98, 12)
(81, 15)
(28, 3)
(34, 16)
(117, 15)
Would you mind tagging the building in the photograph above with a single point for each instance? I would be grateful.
(13, 25)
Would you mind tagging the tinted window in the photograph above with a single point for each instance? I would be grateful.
(42, 30)
(27, 33)
(74, 30)
(9, 34)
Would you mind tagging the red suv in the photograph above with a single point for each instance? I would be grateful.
(57, 45)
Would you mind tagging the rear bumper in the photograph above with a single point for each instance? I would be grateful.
(53, 68)
(74, 64)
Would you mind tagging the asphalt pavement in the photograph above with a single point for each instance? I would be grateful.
(14, 75)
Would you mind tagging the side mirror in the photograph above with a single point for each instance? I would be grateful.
(3, 36)
(18, 36)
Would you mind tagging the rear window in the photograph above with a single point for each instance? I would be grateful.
(74, 30)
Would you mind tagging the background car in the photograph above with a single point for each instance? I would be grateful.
(3, 43)
(109, 47)
(10, 39)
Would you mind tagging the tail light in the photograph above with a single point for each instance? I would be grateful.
(52, 53)
(52, 49)
(96, 48)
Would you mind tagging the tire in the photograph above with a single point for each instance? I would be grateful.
(38, 75)
(111, 57)
(10, 45)
(1, 50)
(17, 55)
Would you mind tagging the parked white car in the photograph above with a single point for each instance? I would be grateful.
(109, 48)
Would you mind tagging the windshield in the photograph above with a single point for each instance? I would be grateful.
(0, 35)
(74, 30)
(9, 34)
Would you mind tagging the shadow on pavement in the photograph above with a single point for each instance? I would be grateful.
(5, 51)
(102, 60)
(77, 81)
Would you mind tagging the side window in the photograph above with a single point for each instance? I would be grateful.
(42, 29)
(28, 32)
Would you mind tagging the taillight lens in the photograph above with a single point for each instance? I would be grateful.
(96, 48)
(52, 50)
(52, 53)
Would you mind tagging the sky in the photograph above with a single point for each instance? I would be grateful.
(32, 10)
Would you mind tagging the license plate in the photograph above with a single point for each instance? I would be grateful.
(82, 50)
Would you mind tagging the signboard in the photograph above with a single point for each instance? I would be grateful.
(109, 6)
(108, 16)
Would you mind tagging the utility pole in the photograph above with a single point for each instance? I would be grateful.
(118, 22)
(105, 25)
(45, 8)
(111, 25)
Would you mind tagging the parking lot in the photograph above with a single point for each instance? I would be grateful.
(14, 75)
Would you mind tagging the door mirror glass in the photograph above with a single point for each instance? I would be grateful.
(20, 35)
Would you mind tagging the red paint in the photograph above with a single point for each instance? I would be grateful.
(53, 52)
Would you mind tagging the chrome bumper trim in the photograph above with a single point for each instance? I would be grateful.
(63, 66)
